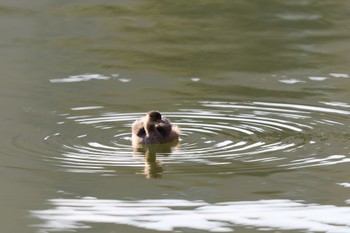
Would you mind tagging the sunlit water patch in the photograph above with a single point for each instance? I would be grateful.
(170, 215)
(85, 77)
(215, 137)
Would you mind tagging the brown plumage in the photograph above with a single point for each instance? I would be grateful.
(154, 129)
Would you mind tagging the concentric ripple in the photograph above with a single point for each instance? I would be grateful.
(229, 136)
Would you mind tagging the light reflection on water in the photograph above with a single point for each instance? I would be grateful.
(168, 215)
(285, 63)
(252, 134)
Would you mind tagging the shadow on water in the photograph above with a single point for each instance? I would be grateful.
(205, 37)
(247, 91)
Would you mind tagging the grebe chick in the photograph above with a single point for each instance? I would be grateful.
(154, 129)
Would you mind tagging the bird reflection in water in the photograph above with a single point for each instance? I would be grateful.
(154, 167)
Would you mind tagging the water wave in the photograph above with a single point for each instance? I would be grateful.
(232, 136)
(80, 78)
(169, 214)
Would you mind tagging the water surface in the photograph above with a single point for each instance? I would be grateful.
(259, 90)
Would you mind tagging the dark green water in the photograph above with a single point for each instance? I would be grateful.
(260, 90)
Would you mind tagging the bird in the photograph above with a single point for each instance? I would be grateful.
(153, 128)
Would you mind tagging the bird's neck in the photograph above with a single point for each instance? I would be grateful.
(149, 127)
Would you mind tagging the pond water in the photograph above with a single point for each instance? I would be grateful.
(260, 90)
